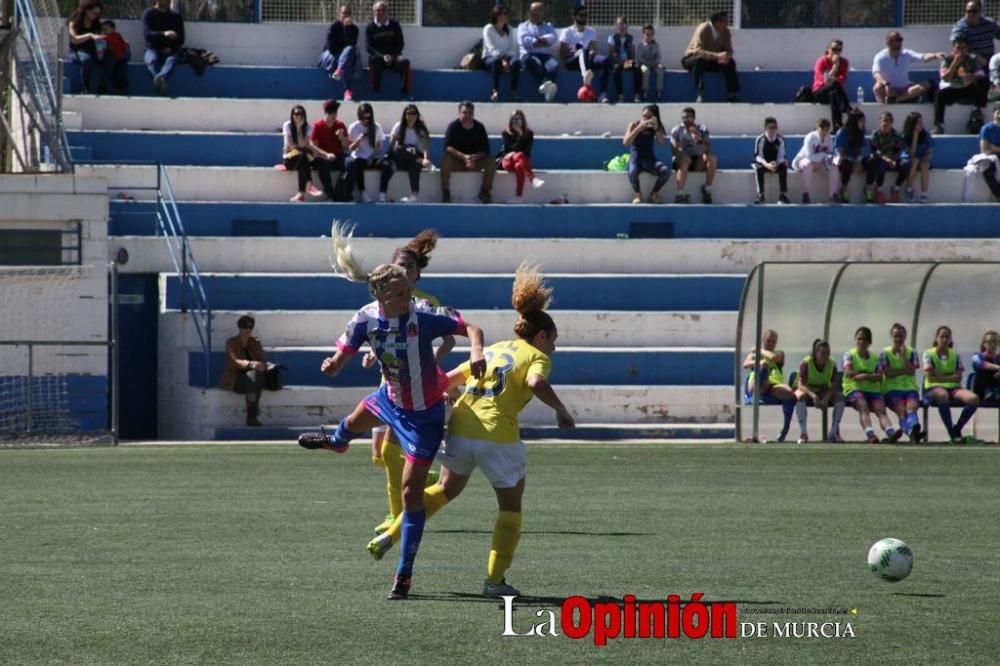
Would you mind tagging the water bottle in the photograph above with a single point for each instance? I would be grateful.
(861, 95)
(100, 47)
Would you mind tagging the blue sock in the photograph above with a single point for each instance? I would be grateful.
(343, 436)
(413, 531)
(945, 412)
(964, 417)
(908, 421)
(787, 410)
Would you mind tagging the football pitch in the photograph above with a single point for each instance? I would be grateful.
(255, 554)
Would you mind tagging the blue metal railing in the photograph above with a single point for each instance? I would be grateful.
(36, 78)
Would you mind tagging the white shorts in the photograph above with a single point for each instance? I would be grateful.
(503, 464)
(380, 428)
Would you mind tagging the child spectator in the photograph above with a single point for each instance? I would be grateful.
(409, 149)
(297, 153)
(816, 156)
(366, 141)
(769, 156)
(329, 139)
(340, 57)
(647, 54)
(516, 153)
(851, 151)
(920, 146)
(888, 154)
(578, 47)
(829, 77)
(621, 57)
(692, 151)
(500, 52)
(960, 73)
(536, 37)
(118, 53)
(989, 144)
(639, 137)
(384, 43)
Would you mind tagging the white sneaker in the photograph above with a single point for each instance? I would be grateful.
(381, 197)
(537, 183)
(603, 99)
(543, 88)
(588, 76)
(413, 198)
(501, 589)
(515, 200)
(366, 198)
(551, 91)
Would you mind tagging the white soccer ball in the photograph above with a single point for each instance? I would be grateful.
(890, 559)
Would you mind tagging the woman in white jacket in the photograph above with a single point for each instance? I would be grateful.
(814, 157)
(500, 51)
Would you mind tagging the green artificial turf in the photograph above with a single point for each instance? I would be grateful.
(256, 554)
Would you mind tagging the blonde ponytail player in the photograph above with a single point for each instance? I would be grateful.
(484, 432)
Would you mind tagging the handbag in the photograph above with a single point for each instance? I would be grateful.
(273, 381)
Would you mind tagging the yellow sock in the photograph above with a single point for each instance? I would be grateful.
(506, 535)
(392, 456)
(434, 501)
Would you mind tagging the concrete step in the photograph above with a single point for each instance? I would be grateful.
(643, 366)
(577, 328)
(592, 291)
(194, 183)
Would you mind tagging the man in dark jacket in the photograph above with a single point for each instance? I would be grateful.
(340, 56)
(164, 33)
(384, 43)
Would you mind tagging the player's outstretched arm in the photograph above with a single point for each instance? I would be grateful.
(332, 365)
(476, 361)
(544, 392)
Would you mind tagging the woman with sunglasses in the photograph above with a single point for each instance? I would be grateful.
(367, 144)
(245, 367)
(500, 51)
(297, 153)
(829, 77)
(516, 153)
(409, 149)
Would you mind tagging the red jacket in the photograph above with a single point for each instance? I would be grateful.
(116, 45)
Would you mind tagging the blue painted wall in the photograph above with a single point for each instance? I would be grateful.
(475, 221)
(631, 367)
(87, 400)
(584, 292)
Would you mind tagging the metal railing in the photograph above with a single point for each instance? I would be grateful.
(32, 122)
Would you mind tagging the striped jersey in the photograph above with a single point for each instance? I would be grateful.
(403, 347)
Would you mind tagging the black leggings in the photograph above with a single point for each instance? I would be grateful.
(300, 163)
(782, 177)
(833, 94)
(408, 159)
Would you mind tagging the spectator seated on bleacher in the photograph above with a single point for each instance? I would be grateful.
(851, 151)
(829, 78)
(989, 152)
(409, 149)
(297, 151)
(621, 58)
(87, 47)
(578, 51)
(961, 77)
(980, 31)
(640, 136)
(329, 140)
(888, 154)
(515, 156)
(816, 156)
(769, 157)
(340, 55)
(986, 368)
(890, 70)
(118, 55)
(920, 147)
(467, 148)
(245, 367)
(692, 150)
(384, 43)
(943, 372)
(501, 52)
(163, 30)
(994, 74)
(536, 37)
(367, 144)
(647, 55)
(711, 50)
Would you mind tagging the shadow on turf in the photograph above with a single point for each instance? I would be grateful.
(564, 532)
(918, 594)
(528, 600)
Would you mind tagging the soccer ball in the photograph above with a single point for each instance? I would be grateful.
(890, 559)
(586, 94)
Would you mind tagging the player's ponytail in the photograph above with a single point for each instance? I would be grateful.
(530, 297)
(344, 263)
(419, 248)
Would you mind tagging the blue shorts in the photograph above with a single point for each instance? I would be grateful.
(895, 397)
(952, 390)
(419, 431)
(870, 398)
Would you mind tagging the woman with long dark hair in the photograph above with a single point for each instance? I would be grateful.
(500, 51)
(829, 77)
(297, 153)
(367, 145)
(851, 151)
(639, 137)
(89, 50)
(409, 150)
(516, 154)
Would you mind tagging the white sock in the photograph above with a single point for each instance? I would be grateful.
(800, 412)
(838, 413)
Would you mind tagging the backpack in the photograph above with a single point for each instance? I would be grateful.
(619, 163)
(342, 190)
(474, 58)
(804, 94)
(975, 121)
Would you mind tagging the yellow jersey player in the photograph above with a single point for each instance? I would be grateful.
(484, 432)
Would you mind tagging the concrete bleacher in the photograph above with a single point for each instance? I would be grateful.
(646, 323)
